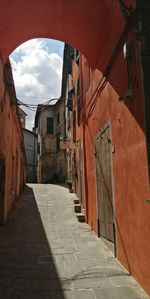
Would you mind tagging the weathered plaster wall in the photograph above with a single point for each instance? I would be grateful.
(11, 147)
(130, 165)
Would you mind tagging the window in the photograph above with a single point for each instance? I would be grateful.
(38, 148)
(77, 56)
(71, 53)
(70, 100)
(86, 78)
(58, 120)
(74, 126)
(58, 142)
(69, 60)
(68, 119)
(50, 125)
(39, 126)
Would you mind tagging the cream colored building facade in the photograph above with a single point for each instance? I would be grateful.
(50, 122)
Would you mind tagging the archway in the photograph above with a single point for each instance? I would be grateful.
(86, 26)
(94, 29)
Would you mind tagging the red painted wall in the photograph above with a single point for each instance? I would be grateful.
(11, 145)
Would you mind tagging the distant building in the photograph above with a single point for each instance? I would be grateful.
(22, 116)
(44, 122)
(30, 142)
(49, 121)
(60, 132)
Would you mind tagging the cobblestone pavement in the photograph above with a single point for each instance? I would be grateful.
(46, 253)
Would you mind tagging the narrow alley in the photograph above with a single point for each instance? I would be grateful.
(46, 253)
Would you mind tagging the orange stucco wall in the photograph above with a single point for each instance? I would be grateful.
(11, 146)
(130, 166)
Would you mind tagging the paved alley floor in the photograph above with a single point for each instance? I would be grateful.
(46, 253)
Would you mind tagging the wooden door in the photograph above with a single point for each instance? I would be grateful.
(2, 190)
(103, 161)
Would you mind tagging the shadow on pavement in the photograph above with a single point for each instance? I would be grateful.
(27, 265)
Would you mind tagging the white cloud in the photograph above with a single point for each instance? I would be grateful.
(37, 74)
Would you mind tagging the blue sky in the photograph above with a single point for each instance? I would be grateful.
(37, 70)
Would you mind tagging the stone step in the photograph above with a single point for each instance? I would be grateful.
(77, 208)
(80, 217)
(76, 201)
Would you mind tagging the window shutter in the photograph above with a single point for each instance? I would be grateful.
(50, 125)
(74, 126)
(77, 56)
(78, 102)
(70, 99)
(71, 53)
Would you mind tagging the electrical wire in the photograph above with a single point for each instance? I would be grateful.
(96, 90)
(33, 107)
(33, 97)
